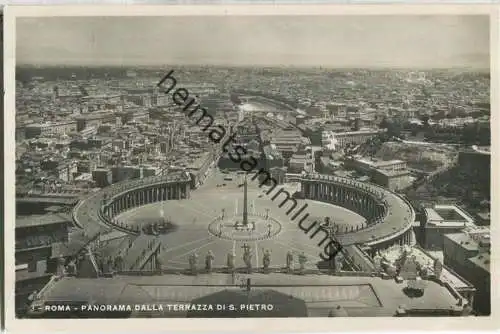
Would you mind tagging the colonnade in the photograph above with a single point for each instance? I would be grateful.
(351, 198)
(361, 198)
(147, 195)
(407, 238)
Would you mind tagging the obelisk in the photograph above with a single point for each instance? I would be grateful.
(245, 209)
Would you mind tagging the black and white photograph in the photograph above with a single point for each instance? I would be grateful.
(269, 166)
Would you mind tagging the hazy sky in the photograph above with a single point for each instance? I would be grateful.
(330, 41)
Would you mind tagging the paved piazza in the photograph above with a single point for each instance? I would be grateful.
(201, 228)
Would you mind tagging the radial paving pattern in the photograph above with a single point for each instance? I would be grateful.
(259, 228)
(200, 223)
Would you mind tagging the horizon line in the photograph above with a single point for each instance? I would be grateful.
(275, 66)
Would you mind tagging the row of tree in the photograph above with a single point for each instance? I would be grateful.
(470, 134)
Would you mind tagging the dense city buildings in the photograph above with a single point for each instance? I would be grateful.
(468, 252)
(441, 220)
(115, 186)
(343, 139)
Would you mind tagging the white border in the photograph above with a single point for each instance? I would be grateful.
(242, 324)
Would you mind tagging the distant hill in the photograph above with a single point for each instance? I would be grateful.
(26, 73)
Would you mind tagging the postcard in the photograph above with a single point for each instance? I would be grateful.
(193, 164)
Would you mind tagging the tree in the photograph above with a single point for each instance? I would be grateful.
(425, 120)
(384, 124)
(394, 129)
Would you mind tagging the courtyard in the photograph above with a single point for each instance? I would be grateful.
(204, 223)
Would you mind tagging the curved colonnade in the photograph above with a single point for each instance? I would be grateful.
(96, 213)
(389, 216)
